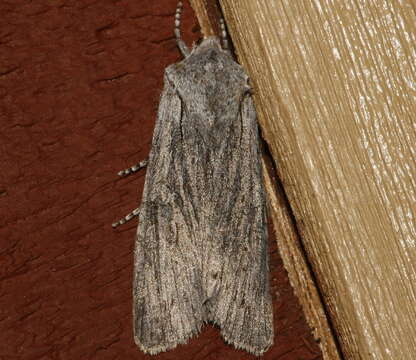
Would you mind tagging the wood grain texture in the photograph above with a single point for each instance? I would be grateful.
(335, 89)
(296, 264)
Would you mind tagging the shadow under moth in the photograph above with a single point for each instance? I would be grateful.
(201, 246)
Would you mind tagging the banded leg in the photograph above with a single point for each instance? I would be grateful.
(181, 44)
(128, 217)
(142, 164)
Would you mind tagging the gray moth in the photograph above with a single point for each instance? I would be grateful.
(201, 245)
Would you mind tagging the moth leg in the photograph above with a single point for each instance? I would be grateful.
(181, 44)
(128, 217)
(224, 36)
(142, 164)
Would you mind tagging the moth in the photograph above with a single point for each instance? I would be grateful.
(201, 245)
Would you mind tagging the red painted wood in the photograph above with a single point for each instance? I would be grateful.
(79, 88)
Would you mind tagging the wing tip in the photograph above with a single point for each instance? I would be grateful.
(256, 350)
(250, 348)
(156, 349)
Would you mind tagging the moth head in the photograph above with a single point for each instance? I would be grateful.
(211, 41)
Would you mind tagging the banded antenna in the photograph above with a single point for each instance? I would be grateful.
(181, 44)
(224, 36)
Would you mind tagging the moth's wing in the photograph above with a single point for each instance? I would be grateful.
(243, 307)
(166, 305)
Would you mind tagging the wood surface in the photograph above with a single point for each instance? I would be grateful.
(334, 86)
(80, 84)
